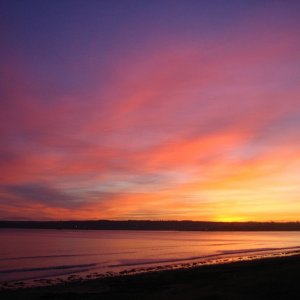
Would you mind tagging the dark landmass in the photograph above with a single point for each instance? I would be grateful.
(273, 278)
(154, 225)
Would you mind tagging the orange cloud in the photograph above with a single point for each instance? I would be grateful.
(205, 129)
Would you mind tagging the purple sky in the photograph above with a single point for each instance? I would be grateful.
(150, 110)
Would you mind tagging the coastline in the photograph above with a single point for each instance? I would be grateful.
(137, 268)
(152, 225)
(259, 278)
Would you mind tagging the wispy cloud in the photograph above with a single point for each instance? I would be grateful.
(194, 126)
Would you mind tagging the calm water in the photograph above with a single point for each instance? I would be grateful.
(35, 254)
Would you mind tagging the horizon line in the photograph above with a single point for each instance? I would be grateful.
(149, 220)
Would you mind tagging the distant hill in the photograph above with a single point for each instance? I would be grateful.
(154, 225)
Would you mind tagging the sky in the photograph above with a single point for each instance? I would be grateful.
(157, 110)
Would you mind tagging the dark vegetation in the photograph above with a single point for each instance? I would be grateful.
(154, 225)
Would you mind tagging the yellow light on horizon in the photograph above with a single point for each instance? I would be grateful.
(230, 219)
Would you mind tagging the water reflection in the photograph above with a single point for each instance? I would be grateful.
(35, 254)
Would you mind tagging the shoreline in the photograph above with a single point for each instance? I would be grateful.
(153, 225)
(114, 286)
(151, 267)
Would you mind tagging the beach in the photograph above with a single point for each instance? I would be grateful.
(33, 257)
(269, 278)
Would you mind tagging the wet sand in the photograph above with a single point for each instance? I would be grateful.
(269, 278)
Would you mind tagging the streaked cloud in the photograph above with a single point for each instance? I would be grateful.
(202, 124)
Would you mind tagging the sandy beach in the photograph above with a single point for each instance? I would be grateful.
(269, 278)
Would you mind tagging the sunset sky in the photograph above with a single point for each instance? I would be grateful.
(150, 110)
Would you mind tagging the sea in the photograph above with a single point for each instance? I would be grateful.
(39, 256)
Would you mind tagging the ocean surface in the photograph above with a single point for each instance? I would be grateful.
(35, 255)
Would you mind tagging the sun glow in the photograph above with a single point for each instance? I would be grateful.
(136, 113)
(229, 219)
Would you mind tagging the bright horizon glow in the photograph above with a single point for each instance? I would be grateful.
(145, 110)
